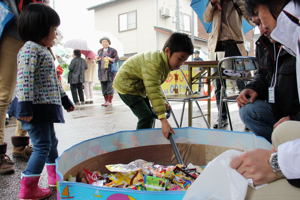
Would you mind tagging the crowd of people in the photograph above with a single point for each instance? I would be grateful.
(269, 104)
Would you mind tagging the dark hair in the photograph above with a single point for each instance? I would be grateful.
(77, 53)
(105, 38)
(179, 42)
(275, 6)
(36, 21)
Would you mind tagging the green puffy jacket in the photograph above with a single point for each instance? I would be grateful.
(143, 75)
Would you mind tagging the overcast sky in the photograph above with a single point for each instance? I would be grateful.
(78, 23)
(76, 20)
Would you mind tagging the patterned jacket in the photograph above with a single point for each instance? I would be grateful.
(143, 75)
(39, 92)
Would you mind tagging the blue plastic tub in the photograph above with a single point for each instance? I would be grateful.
(150, 145)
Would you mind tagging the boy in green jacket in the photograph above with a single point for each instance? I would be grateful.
(140, 77)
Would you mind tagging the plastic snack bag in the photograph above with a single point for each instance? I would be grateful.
(219, 181)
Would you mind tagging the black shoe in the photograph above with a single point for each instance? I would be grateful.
(247, 129)
(223, 124)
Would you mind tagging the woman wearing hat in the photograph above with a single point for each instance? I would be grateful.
(105, 58)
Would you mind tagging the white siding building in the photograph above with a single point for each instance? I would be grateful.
(144, 25)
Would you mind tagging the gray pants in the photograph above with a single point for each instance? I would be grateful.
(107, 88)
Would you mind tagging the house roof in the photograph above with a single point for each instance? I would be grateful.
(169, 31)
(102, 4)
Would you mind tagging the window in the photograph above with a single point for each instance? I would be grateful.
(185, 23)
(127, 21)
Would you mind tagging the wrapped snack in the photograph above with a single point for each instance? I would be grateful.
(99, 183)
(143, 176)
(138, 178)
(183, 172)
(155, 183)
(173, 187)
(132, 166)
(141, 188)
(129, 178)
(199, 169)
(92, 177)
(182, 181)
(71, 178)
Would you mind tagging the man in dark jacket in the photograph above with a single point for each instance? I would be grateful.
(272, 96)
(76, 77)
(282, 162)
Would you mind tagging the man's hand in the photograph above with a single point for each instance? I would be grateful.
(216, 3)
(26, 118)
(283, 119)
(255, 165)
(246, 96)
(166, 128)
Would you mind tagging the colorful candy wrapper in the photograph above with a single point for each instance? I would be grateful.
(92, 177)
(132, 166)
(155, 183)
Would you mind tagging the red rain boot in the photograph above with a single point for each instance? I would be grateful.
(105, 98)
(51, 170)
(30, 190)
(110, 97)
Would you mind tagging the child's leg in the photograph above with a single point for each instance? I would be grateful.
(41, 139)
(141, 108)
(50, 161)
(53, 154)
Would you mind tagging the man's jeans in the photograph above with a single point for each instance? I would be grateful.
(259, 118)
(44, 141)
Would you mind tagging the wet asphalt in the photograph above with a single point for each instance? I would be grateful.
(93, 120)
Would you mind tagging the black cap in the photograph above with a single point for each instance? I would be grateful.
(105, 38)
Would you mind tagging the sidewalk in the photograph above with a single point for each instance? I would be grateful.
(93, 120)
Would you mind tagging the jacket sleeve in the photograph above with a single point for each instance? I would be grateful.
(72, 65)
(85, 66)
(240, 5)
(209, 12)
(295, 116)
(259, 84)
(152, 82)
(289, 161)
(66, 102)
(26, 70)
(115, 55)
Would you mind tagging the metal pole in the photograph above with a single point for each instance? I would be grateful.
(192, 23)
(177, 15)
(175, 149)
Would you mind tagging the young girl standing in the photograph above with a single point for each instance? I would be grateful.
(40, 96)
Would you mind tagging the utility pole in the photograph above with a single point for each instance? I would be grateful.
(177, 16)
(192, 27)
